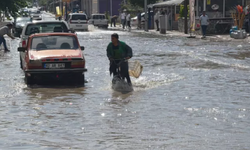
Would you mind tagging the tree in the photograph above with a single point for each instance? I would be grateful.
(140, 3)
(43, 2)
(12, 6)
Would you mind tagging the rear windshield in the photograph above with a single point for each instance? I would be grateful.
(79, 17)
(46, 28)
(35, 12)
(54, 42)
(98, 17)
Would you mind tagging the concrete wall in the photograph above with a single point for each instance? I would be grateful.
(104, 5)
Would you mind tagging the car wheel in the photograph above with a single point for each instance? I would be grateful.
(29, 80)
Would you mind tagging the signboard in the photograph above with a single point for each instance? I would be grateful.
(208, 2)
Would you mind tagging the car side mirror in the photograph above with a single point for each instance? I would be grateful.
(82, 48)
(21, 49)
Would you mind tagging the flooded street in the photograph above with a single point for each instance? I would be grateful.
(193, 95)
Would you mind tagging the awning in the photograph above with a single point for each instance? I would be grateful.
(168, 3)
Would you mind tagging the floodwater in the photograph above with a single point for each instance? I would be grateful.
(193, 95)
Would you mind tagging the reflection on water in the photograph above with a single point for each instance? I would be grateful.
(193, 94)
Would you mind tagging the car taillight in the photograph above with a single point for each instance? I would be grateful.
(78, 64)
(24, 43)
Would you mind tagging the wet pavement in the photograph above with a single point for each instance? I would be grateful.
(193, 94)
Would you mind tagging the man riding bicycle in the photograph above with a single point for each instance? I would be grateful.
(118, 53)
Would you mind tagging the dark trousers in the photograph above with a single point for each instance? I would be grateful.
(128, 24)
(157, 24)
(204, 30)
(114, 66)
(123, 23)
(139, 24)
(2, 40)
(113, 22)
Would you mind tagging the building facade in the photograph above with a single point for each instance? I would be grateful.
(89, 6)
(111, 6)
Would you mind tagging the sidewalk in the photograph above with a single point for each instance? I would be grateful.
(211, 38)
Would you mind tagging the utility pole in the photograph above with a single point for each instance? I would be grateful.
(146, 14)
(186, 14)
(111, 7)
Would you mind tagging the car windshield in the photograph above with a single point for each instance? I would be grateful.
(54, 42)
(35, 12)
(98, 17)
(45, 28)
(79, 17)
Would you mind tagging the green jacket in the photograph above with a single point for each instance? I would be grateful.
(123, 47)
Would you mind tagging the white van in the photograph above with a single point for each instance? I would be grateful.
(78, 21)
(99, 20)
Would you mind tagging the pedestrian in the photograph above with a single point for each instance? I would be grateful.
(204, 21)
(113, 21)
(117, 52)
(5, 30)
(123, 19)
(139, 20)
(128, 19)
(157, 19)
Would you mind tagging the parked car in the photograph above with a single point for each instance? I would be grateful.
(42, 27)
(35, 14)
(99, 20)
(20, 23)
(56, 56)
(78, 21)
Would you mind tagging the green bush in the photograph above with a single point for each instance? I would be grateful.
(182, 11)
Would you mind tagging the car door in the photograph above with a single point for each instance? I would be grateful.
(95, 20)
(102, 19)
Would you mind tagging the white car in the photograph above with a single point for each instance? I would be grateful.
(35, 14)
(78, 21)
(99, 20)
(134, 21)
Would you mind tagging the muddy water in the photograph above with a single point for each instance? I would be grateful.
(193, 94)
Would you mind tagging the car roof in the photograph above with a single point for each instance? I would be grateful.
(52, 34)
(98, 14)
(77, 14)
(36, 22)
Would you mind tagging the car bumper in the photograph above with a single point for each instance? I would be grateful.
(55, 71)
(79, 26)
